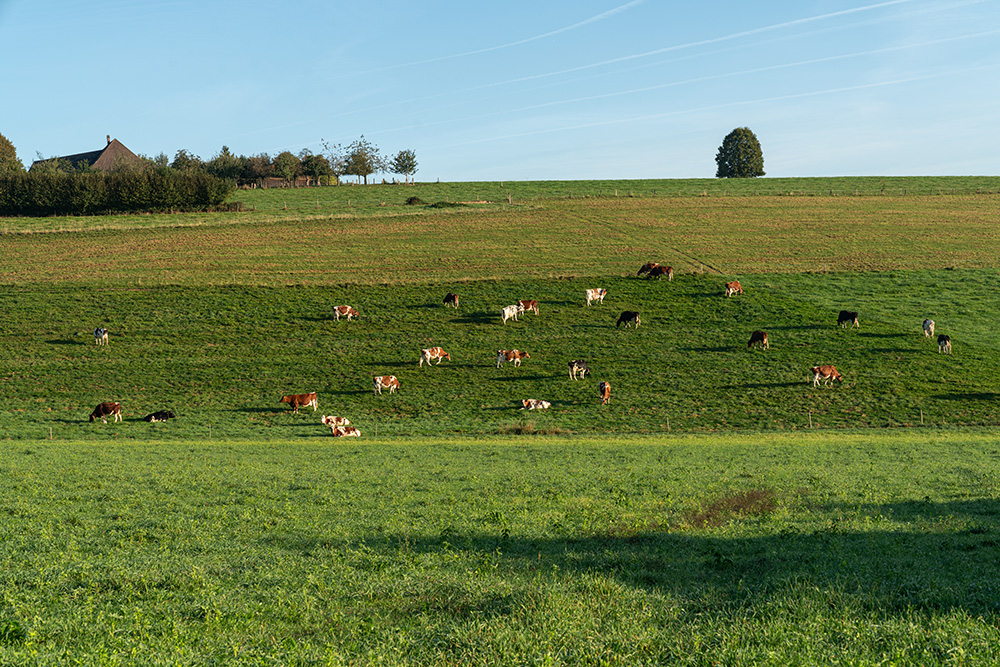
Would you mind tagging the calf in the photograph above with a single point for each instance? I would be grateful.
(344, 311)
(628, 317)
(433, 353)
(389, 382)
(944, 344)
(596, 295)
(451, 299)
(660, 271)
(534, 404)
(345, 431)
(604, 392)
(848, 319)
(758, 338)
(510, 312)
(333, 421)
(101, 336)
(578, 366)
(301, 400)
(528, 304)
(511, 355)
(825, 373)
(159, 416)
(105, 410)
(929, 328)
(733, 287)
(647, 267)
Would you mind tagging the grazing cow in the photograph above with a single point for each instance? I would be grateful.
(101, 336)
(301, 400)
(733, 287)
(596, 295)
(511, 355)
(105, 410)
(344, 311)
(758, 338)
(528, 304)
(451, 299)
(647, 267)
(848, 319)
(604, 392)
(510, 312)
(944, 344)
(628, 317)
(159, 416)
(660, 271)
(534, 404)
(578, 366)
(345, 431)
(432, 353)
(825, 373)
(389, 382)
(929, 328)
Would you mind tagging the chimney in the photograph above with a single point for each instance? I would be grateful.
(109, 140)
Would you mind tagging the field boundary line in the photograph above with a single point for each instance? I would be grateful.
(694, 259)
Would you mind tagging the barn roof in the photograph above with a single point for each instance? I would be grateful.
(113, 156)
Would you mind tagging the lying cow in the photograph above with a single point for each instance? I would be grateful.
(944, 344)
(647, 267)
(848, 319)
(105, 410)
(596, 295)
(432, 353)
(534, 404)
(510, 312)
(101, 336)
(929, 328)
(528, 304)
(660, 271)
(333, 421)
(578, 366)
(301, 400)
(604, 392)
(344, 311)
(759, 339)
(733, 287)
(628, 317)
(389, 382)
(345, 431)
(159, 416)
(825, 373)
(451, 299)
(511, 355)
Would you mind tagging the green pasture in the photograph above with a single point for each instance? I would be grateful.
(860, 549)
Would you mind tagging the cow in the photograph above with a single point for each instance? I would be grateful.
(596, 295)
(101, 336)
(510, 312)
(628, 317)
(848, 319)
(528, 304)
(432, 353)
(344, 311)
(660, 271)
(758, 338)
(929, 328)
(451, 299)
(647, 267)
(333, 421)
(534, 404)
(944, 344)
(345, 431)
(578, 366)
(604, 392)
(301, 400)
(825, 373)
(733, 287)
(105, 410)
(159, 416)
(389, 382)
(511, 355)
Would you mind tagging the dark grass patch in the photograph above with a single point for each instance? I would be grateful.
(739, 505)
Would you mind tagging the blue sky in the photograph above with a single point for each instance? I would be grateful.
(515, 90)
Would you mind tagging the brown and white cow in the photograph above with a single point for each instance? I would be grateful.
(451, 299)
(345, 431)
(578, 366)
(101, 336)
(597, 294)
(301, 400)
(929, 328)
(432, 353)
(733, 287)
(647, 267)
(511, 355)
(528, 304)
(848, 319)
(334, 421)
(944, 344)
(510, 312)
(534, 404)
(107, 409)
(344, 311)
(629, 317)
(758, 338)
(825, 373)
(604, 391)
(389, 382)
(660, 271)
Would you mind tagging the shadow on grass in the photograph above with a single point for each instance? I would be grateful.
(480, 317)
(719, 348)
(865, 334)
(64, 341)
(770, 385)
(977, 396)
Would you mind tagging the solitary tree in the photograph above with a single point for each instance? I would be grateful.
(739, 155)
(404, 163)
(9, 162)
(363, 159)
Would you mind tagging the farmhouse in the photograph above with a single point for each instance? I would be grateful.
(113, 157)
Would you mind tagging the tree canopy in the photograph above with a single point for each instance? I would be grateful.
(739, 155)
(404, 163)
(9, 162)
(363, 159)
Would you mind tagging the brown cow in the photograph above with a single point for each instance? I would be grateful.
(660, 271)
(333, 421)
(647, 267)
(511, 355)
(758, 338)
(299, 400)
(733, 287)
(596, 294)
(534, 404)
(825, 373)
(604, 392)
(389, 382)
(105, 410)
(344, 311)
(432, 353)
(345, 431)
(528, 304)
(451, 299)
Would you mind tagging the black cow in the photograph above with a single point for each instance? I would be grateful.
(628, 317)
(159, 416)
(848, 319)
